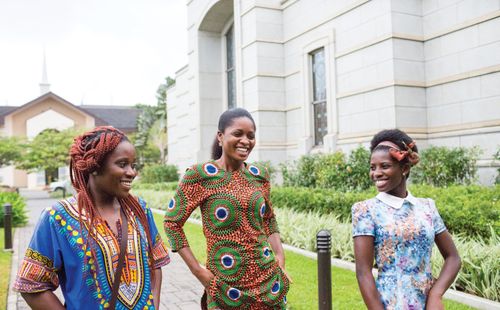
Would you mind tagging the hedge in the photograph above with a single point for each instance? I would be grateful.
(162, 186)
(159, 173)
(19, 217)
(466, 210)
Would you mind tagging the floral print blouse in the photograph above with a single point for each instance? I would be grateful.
(404, 230)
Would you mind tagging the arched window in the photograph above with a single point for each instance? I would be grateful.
(230, 72)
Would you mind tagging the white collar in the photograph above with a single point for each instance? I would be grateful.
(396, 202)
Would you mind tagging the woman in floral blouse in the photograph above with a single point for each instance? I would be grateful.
(399, 230)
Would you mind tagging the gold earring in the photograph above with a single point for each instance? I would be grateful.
(94, 172)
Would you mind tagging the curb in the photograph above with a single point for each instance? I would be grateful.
(463, 298)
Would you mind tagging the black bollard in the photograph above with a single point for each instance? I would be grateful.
(7, 225)
(324, 245)
(64, 192)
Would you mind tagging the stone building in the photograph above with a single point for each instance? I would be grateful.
(324, 75)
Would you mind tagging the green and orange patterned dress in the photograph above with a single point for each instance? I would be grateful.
(237, 221)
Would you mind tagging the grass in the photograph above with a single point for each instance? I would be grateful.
(303, 292)
(5, 259)
(155, 199)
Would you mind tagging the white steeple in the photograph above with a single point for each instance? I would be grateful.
(44, 85)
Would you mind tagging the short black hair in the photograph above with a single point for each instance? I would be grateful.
(396, 136)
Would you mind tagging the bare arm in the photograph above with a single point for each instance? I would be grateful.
(43, 300)
(201, 273)
(156, 286)
(363, 255)
(451, 267)
(275, 241)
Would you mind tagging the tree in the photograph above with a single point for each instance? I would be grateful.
(48, 151)
(10, 150)
(152, 124)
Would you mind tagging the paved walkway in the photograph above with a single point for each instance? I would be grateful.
(180, 289)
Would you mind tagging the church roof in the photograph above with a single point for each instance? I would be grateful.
(121, 117)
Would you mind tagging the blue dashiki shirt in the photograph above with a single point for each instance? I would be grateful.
(55, 256)
(404, 230)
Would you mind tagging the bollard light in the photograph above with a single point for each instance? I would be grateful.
(7, 225)
(323, 246)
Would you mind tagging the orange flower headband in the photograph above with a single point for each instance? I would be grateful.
(399, 154)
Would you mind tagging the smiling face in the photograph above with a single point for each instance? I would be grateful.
(114, 179)
(237, 140)
(387, 173)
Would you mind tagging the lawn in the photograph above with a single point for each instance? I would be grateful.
(303, 293)
(5, 258)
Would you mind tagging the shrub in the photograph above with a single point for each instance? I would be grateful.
(442, 166)
(300, 173)
(154, 198)
(330, 170)
(159, 173)
(335, 172)
(479, 275)
(163, 186)
(466, 210)
(19, 216)
(497, 158)
(319, 200)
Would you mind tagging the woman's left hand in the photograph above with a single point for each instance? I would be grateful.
(282, 266)
(434, 302)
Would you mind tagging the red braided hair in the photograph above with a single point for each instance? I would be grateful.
(88, 153)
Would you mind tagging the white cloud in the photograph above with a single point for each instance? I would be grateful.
(101, 52)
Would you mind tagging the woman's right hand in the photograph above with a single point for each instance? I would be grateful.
(205, 276)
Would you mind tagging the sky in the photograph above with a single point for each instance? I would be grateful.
(98, 52)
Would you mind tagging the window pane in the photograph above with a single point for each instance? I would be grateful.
(231, 90)
(319, 95)
(318, 74)
(230, 73)
(230, 48)
(320, 122)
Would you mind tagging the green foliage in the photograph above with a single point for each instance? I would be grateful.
(49, 150)
(300, 173)
(497, 158)
(319, 200)
(162, 186)
(358, 167)
(332, 170)
(154, 198)
(443, 166)
(19, 217)
(480, 273)
(152, 126)
(159, 173)
(466, 210)
(10, 150)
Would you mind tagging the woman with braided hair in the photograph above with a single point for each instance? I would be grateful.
(399, 231)
(101, 246)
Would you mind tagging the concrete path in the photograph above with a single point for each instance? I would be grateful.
(180, 289)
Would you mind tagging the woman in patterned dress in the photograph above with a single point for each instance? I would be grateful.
(245, 266)
(64, 251)
(399, 230)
